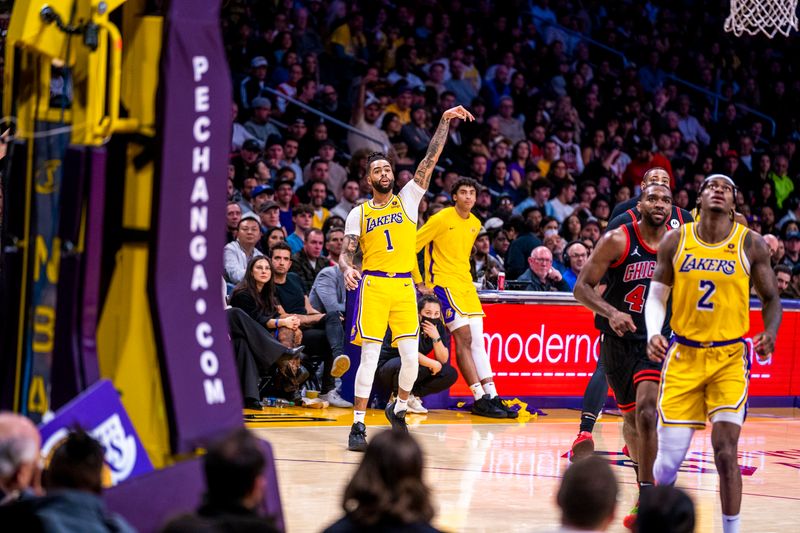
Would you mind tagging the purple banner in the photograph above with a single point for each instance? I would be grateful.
(99, 411)
(200, 381)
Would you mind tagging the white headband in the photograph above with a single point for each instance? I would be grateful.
(721, 177)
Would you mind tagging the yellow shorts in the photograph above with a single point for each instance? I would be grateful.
(700, 383)
(458, 304)
(385, 302)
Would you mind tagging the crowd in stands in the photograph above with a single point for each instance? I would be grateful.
(387, 491)
(564, 130)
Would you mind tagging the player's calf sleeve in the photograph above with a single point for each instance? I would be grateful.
(370, 353)
(409, 368)
(478, 349)
(673, 443)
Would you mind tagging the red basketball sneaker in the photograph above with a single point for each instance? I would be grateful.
(630, 520)
(582, 447)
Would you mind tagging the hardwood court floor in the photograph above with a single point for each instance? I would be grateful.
(499, 476)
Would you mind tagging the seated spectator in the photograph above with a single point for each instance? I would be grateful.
(271, 236)
(387, 492)
(541, 276)
(284, 197)
(510, 127)
(563, 205)
(255, 296)
(483, 265)
(318, 195)
(773, 243)
(665, 509)
(302, 219)
(334, 240)
(591, 230)
(520, 248)
(328, 292)
(323, 333)
(435, 374)
(233, 214)
(74, 482)
(19, 458)
(260, 196)
(587, 496)
(308, 262)
(575, 257)
(783, 275)
(259, 125)
(235, 489)
(238, 253)
(791, 257)
(349, 196)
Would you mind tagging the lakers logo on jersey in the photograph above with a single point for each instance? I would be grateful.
(387, 237)
(392, 218)
(710, 278)
(691, 262)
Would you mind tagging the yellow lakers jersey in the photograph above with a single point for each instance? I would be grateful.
(447, 239)
(387, 237)
(711, 289)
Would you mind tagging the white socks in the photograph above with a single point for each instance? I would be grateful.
(730, 524)
(490, 389)
(400, 405)
(477, 390)
(358, 416)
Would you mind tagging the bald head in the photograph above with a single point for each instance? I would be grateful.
(656, 175)
(772, 243)
(19, 452)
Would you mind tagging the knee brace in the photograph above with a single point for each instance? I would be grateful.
(409, 357)
(370, 352)
(673, 443)
(478, 349)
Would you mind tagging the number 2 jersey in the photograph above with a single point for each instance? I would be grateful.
(628, 283)
(711, 289)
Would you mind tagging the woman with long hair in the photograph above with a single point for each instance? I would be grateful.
(252, 319)
(387, 492)
(520, 160)
(255, 295)
(571, 228)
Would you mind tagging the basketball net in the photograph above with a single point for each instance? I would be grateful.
(766, 16)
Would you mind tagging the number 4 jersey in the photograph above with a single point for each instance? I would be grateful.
(628, 281)
(711, 290)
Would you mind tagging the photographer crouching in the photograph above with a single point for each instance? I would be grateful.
(435, 374)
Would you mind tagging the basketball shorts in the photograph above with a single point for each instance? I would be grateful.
(699, 383)
(458, 305)
(385, 300)
(627, 365)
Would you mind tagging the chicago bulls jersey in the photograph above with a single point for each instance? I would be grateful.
(629, 281)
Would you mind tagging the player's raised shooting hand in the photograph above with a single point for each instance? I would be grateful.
(622, 323)
(457, 112)
(657, 348)
(351, 278)
(764, 344)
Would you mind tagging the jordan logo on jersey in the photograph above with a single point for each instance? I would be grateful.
(635, 252)
(392, 218)
(690, 262)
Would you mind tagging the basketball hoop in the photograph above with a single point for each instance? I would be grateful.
(766, 16)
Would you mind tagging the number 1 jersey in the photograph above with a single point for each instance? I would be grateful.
(387, 234)
(711, 289)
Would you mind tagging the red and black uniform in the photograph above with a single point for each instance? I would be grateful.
(625, 358)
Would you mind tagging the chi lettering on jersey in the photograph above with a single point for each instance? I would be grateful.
(639, 270)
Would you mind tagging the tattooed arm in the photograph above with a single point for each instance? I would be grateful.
(351, 274)
(426, 166)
